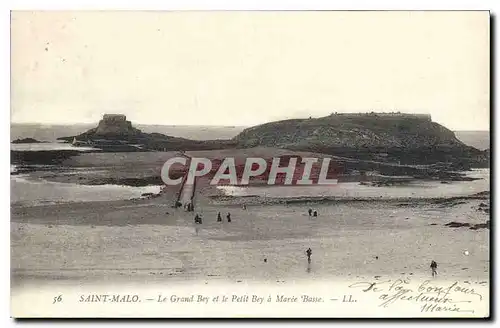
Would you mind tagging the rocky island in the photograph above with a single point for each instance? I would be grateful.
(115, 134)
(390, 144)
(384, 137)
(26, 141)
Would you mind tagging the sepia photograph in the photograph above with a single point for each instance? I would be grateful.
(250, 164)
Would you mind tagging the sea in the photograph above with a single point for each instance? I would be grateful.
(25, 190)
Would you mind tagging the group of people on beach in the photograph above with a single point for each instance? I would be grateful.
(312, 213)
(198, 220)
(188, 207)
(219, 217)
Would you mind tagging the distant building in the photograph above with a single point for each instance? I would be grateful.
(115, 125)
(114, 117)
(426, 117)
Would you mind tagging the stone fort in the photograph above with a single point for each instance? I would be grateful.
(426, 117)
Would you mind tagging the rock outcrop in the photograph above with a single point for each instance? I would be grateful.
(404, 138)
(25, 141)
(114, 134)
(476, 226)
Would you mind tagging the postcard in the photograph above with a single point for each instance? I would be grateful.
(250, 164)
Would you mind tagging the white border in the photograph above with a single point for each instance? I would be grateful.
(255, 5)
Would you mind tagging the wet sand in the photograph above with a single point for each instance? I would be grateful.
(138, 241)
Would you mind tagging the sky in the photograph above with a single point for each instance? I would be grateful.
(247, 68)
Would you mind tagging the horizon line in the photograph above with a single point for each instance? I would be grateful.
(134, 123)
(192, 125)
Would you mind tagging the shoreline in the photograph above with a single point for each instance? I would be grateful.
(404, 201)
(60, 161)
(214, 197)
(207, 194)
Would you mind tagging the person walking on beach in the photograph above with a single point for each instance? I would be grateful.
(310, 211)
(309, 253)
(228, 217)
(434, 268)
(315, 214)
(219, 217)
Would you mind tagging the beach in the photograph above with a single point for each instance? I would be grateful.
(148, 250)
(149, 240)
(103, 221)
